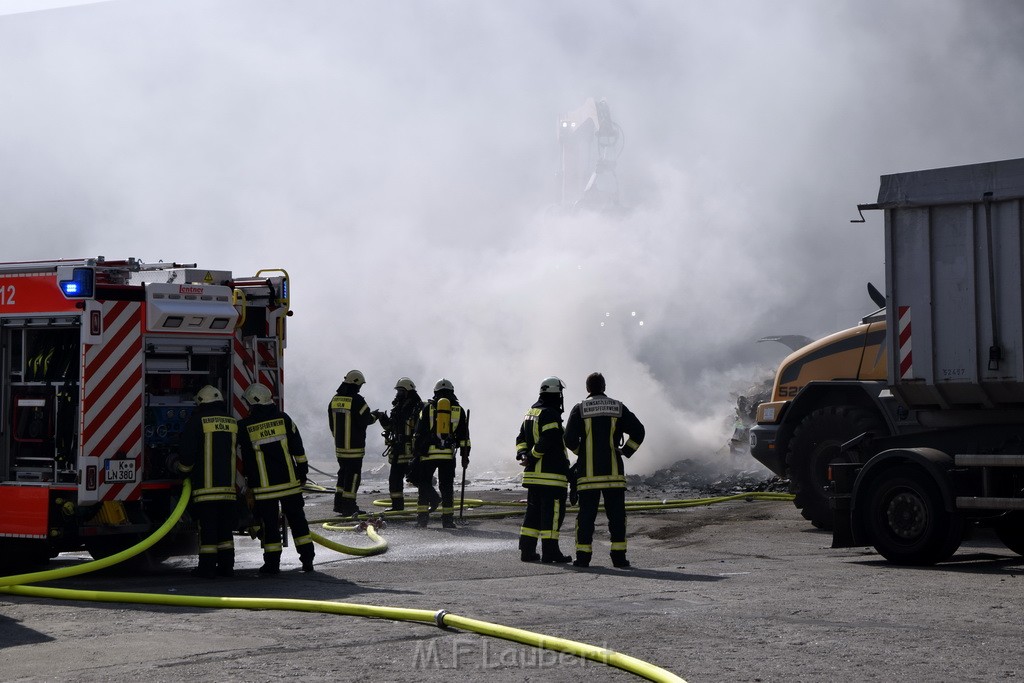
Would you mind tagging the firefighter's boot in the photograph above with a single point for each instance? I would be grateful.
(435, 499)
(619, 559)
(340, 504)
(397, 503)
(550, 553)
(528, 549)
(271, 563)
(422, 518)
(306, 554)
(582, 559)
(448, 521)
(207, 567)
(226, 562)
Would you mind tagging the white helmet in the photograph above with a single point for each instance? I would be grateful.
(258, 394)
(355, 377)
(208, 394)
(443, 385)
(551, 385)
(405, 383)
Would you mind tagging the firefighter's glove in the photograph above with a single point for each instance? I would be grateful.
(412, 475)
(465, 460)
(523, 458)
(574, 496)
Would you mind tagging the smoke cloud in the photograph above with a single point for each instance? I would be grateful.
(400, 161)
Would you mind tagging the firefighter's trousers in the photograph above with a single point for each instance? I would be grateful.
(396, 484)
(615, 509)
(445, 483)
(270, 516)
(350, 472)
(545, 512)
(216, 519)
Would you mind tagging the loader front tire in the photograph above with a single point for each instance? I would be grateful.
(814, 446)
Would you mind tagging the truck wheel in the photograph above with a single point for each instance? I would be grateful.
(815, 446)
(18, 555)
(104, 546)
(1010, 530)
(906, 520)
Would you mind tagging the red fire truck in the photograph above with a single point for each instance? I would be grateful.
(99, 364)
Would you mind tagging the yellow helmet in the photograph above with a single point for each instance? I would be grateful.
(258, 394)
(354, 377)
(551, 385)
(208, 394)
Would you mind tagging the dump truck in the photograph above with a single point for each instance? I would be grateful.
(101, 360)
(935, 448)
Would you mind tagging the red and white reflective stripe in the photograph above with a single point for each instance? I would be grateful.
(241, 377)
(243, 372)
(906, 350)
(270, 374)
(112, 396)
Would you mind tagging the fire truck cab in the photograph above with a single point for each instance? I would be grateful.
(99, 365)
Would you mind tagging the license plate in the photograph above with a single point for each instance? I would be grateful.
(120, 471)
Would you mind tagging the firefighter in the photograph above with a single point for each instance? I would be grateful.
(441, 430)
(348, 417)
(275, 468)
(541, 451)
(595, 432)
(399, 428)
(207, 455)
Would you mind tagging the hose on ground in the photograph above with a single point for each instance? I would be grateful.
(379, 544)
(514, 507)
(441, 618)
(15, 585)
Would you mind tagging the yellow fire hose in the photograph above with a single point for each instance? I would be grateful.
(379, 544)
(631, 505)
(13, 585)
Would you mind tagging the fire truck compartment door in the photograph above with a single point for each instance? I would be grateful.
(194, 309)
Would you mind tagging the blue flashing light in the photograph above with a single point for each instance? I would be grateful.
(81, 284)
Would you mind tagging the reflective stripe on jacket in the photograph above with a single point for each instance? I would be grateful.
(596, 427)
(541, 441)
(275, 461)
(349, 416)
(428, 445)
(207, 452)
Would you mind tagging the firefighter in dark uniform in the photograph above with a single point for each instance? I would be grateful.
(275, 469)
(541, 452)
(596, 432)
(399, 428)
(434, 450)
(348, 417)
(207, 455)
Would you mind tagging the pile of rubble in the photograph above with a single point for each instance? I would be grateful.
(692, 478)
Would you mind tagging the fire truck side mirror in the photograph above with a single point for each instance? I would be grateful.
(77, 282)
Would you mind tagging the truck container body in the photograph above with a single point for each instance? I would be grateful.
(953, 271)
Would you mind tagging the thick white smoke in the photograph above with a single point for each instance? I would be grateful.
(399, 160)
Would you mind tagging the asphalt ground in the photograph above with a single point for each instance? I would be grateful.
(738, 591)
